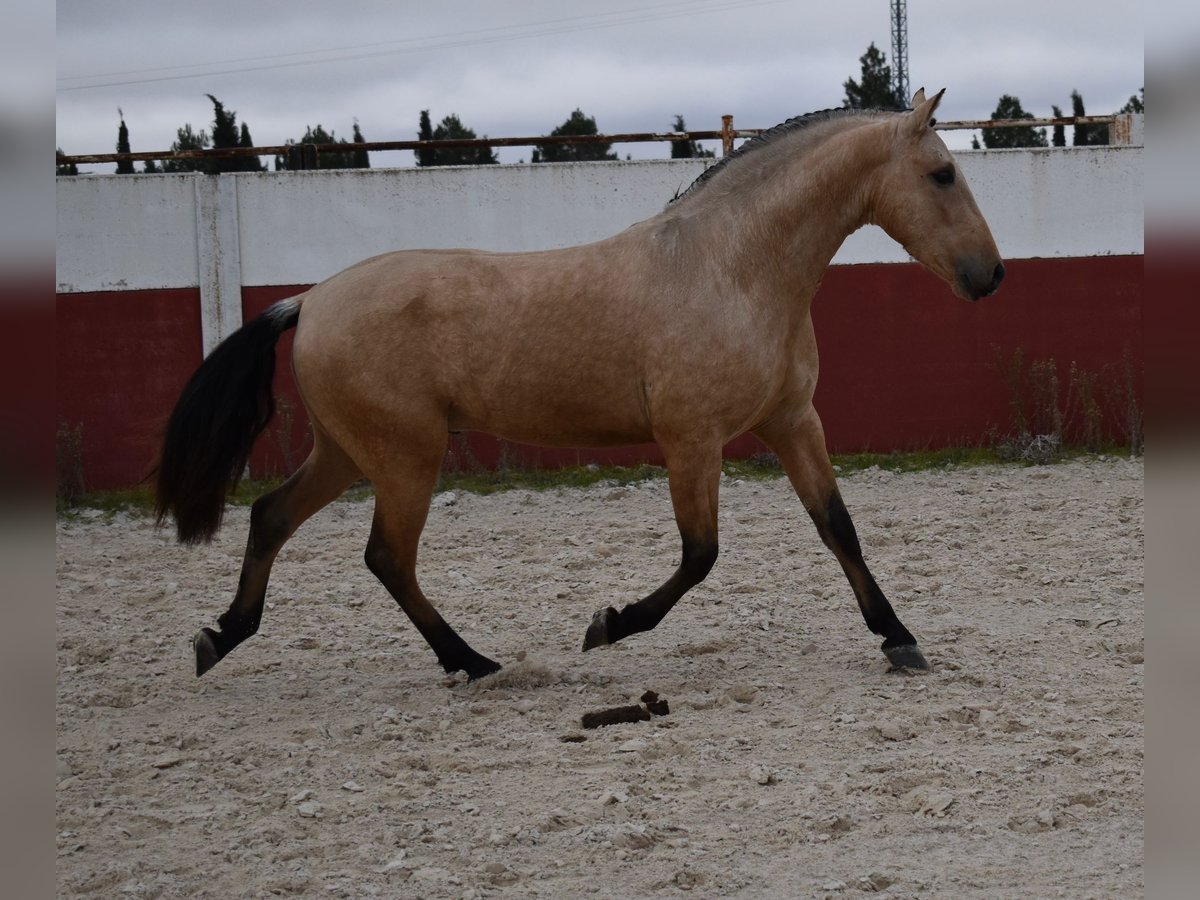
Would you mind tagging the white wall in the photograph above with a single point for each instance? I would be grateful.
(1081, 201)
(302, 227)
(219, 233)
(125, 233)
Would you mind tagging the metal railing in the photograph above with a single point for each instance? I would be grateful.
(305, 156)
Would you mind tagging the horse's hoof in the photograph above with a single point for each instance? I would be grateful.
(482, 668)
(205, 650)
(599, 631)
(906, 656)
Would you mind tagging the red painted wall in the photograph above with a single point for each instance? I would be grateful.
(904, 364)
(122, 358)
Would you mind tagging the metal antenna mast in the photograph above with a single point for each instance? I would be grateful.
(900, 52)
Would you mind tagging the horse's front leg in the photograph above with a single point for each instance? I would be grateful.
(799, 443)
(694, 475)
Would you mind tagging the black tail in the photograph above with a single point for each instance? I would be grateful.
(226, 404)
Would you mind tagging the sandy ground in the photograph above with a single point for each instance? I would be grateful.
(330, 756)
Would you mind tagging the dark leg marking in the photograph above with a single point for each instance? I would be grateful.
(837, 531)
(273, 519)
(452, 651)
(609, 626)
(268, 532)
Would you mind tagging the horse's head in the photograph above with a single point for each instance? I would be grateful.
(922, 201)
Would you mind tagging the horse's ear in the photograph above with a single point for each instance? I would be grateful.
(918, 98)
(922, 114)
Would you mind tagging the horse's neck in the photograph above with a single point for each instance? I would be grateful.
(780, 231)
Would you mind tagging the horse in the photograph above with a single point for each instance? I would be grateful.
(687, 329)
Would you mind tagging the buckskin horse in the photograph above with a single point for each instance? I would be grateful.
(687, 329)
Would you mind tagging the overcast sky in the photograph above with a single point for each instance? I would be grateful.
(520, 68)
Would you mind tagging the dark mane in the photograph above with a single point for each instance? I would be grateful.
(792, 125)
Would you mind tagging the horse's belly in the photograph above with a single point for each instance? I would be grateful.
(558, 424)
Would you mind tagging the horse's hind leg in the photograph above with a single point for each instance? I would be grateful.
(694, 474)
(800, 446)
(401, 505)
(273, 519)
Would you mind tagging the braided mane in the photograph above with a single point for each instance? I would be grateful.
(770, 136)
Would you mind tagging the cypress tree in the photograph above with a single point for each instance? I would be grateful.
(225, 134)
(361, 159)
(686, 149)
(124, 166)
(247, 163)
(1060, 133)
(428, 157)
(224, 131)
(1086, 135)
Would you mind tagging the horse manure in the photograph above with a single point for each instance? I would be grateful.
(615, 715)
(656, 706)
(651, 705)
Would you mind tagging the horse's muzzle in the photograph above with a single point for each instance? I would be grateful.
(997, 277)
(976, 285)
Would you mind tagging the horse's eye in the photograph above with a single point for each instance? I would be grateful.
(944, 176)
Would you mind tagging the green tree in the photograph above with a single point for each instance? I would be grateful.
(451, 128)
(224, 131)
(686, 149)
(151, 168)
(124, 166)
(1136, 104)
(1060, 136)
(875, 89)
(226, 135)
(248, 163)
(68, 169)
(428, 156)
(576, 125)
(362, 159)
(318, 135)
(1086, 135)
(338, 159)
(1009, 107)
(187, 139)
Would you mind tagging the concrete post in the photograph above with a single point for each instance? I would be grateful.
(218, 252)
